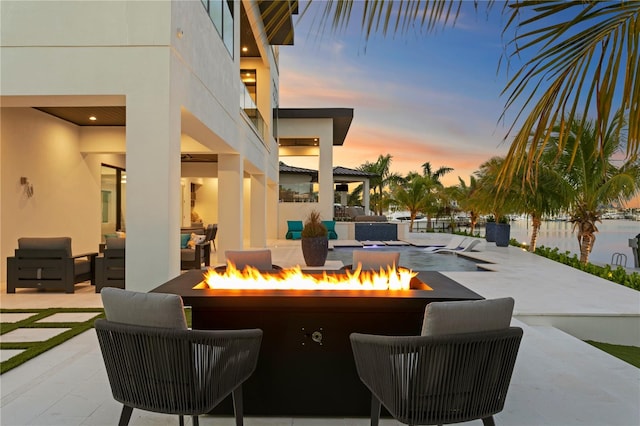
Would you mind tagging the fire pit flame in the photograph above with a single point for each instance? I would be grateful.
(295, 279)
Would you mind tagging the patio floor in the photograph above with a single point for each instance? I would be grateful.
(558, 379)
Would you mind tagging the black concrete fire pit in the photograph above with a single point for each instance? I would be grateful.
(306, 366)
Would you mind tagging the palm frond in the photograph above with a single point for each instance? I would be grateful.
(585, 63)
(391, 16)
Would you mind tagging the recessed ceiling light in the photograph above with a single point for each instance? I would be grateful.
(92, 118)
(245, 49)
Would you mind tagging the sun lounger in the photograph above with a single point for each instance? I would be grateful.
(469, 245)
(456, 241)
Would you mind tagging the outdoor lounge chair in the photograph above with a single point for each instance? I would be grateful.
(154, 363)
(259, 259)
(370, 260)
(294, 230)
(211, 233)
(198, 255)
(47, 263)
(458, 370)
(331, 229)
(455, 242)
(110, 267)
(465, 247)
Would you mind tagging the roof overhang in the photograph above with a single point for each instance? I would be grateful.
(342, 118)
(277, 20)
(340, 174)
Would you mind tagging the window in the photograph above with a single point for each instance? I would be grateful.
(221, 14)
(298, 193)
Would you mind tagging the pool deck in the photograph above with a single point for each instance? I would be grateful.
(558, 379)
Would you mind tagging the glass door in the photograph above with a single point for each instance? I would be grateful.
(113, 190)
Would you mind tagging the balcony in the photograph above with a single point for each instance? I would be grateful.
(251, 110)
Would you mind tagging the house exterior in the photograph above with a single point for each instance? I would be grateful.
(182, 94)
(309, 132)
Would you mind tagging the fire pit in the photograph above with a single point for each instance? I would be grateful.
(295, 278)
(306, 365)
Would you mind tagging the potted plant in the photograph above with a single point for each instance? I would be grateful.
(502, 232)
(314, 240)
(490, 229)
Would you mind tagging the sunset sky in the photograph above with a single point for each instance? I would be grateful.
(419, 97)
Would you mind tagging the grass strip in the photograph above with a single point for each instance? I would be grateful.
(629, 354)
(33, 349)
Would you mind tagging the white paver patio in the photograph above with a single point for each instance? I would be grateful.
(559, 380)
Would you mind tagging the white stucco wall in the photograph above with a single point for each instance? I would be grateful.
(321, 128)
(129, 54)
(66, 200)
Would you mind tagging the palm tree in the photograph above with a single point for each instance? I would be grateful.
(584, 61)
(415, 195)
(448, 204)
(586, 163)
(436, 188)
(465, 197)
(490, 196)
(383, 178)
(426, 171)
(541, 196)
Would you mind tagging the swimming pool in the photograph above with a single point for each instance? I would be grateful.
(412, 257)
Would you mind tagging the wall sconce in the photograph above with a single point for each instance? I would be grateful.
(27, 186)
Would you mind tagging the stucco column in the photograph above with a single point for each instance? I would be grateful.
(365, 196)
(230, 203)
(258, 207)
(153, 195)
(325, 176)
(272, 210)
(185, 186)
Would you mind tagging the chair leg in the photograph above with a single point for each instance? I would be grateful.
(181, 420)
(196, 421)
(125, 415)
(375, 410)
(488, 421)
(236, 395)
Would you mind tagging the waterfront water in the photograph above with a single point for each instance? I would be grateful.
(613, 237)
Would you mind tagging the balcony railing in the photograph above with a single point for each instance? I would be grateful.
(251, 110)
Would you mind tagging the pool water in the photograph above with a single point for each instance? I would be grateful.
(412, 257)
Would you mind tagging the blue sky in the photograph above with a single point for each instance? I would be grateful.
(419, 97)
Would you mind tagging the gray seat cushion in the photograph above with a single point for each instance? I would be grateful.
(46, 243)
(148, 309)
(259, 259)
(467, 316)
(375, 259)
(115, 243)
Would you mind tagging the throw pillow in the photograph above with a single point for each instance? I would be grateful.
(184, 239)
(195, 239)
